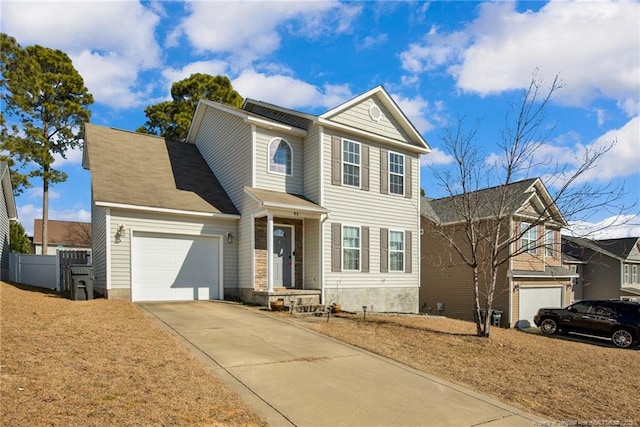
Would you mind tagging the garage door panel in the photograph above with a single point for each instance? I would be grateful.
(534, 298)
(167, 267)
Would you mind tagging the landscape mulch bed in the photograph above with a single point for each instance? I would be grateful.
(569, 380)
(99, 362)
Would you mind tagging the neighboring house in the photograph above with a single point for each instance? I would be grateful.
(8, 212)
(262, 203)
(610, 269)
(576, 266)
(530, 279)
(68, 235)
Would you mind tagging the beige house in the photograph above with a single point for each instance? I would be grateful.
(8, 213)
(262, 203)
(68, 235)
(532, 277)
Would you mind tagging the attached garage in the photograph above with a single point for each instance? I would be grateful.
(172, 267)
(534, 298)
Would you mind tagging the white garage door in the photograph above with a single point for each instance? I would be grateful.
(168, 267)
(532, 299)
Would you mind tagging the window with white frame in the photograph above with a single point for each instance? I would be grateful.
(396, 251)
(529, 237)
(350, 248)
(549, 239)
(626, 274)
(280, 156)
(634, 274)
(350, 163)
(396, 173)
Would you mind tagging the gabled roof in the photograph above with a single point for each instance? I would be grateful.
(385, 99)
(64, 233)
(449, 210)
(139, 170)
(614, 248)
(279, 114)
(7, 190)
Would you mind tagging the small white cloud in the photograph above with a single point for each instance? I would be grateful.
(370, 42)
(37, 192)
(420, 112)
(615, 227)
(436, 157)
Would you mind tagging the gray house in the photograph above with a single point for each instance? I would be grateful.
(262, 203)
(608, 268)
(8, 212)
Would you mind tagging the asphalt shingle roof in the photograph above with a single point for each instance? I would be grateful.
(145, 170)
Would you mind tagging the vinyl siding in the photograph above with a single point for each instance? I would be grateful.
(99, 246)
(225, 143)
(172, 224)
(602, 276)
(4, 234)
(245, 243)
(274, 181)
(311, 163)
(312, 276)
(353, 206)
(358, 117)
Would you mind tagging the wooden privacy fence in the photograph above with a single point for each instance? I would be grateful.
(45, 271)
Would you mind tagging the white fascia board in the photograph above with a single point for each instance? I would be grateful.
(166, 210)
(264, 123)
(373, 136)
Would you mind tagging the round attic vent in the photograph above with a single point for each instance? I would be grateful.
(375, 113)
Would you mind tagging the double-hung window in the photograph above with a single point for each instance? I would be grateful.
(549, 238)
(350, 163)
(529, 237)
(626, 273)
(280, 154)
(396, 250)
(350, 248)
(396, 173)
(634, 274)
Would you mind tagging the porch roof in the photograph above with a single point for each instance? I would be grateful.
(550, 272)
(279, 200)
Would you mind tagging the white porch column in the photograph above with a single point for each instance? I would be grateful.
(269, 252)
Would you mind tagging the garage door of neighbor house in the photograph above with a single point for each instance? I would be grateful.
(169, 267)
(532, 299)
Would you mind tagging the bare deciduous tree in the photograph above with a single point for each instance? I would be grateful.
(484, 190)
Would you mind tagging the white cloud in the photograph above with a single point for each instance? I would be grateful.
(73, 156)
(110, 43)
(436, 157)
(593, 45)
(213, 67)
(250, 30)
(370, 42)
(288, 91)
(37, 192)
(614, 227)
(417, 109)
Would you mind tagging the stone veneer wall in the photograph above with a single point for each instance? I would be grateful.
(381, 300)
(260, 250)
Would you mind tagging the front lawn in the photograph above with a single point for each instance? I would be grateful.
(100, 363)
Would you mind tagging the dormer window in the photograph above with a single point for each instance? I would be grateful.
(280, 156)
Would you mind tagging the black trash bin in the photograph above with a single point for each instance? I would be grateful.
(496, 317)
(81, 282)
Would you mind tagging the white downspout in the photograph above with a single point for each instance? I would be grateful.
(269, 252)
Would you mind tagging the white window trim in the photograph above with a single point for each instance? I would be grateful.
(342, 248)
(404, 246)
(634, 274)
(279, 139)
(531, 242)
(389, 173)
(625, 277)
(359, 165)
(549, 246)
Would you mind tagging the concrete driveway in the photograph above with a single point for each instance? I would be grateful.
(296, 377)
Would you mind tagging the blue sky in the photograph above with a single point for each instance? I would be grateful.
(439, 60)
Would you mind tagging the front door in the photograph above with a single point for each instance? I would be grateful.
(282, 256)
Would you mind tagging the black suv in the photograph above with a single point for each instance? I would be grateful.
(619, 320)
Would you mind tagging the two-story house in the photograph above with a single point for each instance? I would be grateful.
(531, 276)
(262, 203)
(608, 268)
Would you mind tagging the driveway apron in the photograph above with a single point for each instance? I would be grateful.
(296, 377)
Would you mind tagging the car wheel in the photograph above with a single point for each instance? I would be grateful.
(549, 326)
(622, 338)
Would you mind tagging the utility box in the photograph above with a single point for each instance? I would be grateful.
(496, 317)
(82, 282)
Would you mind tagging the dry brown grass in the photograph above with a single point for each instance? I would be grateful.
(96, 363)
(558, 378)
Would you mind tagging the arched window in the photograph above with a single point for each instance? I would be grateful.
(280, 156)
